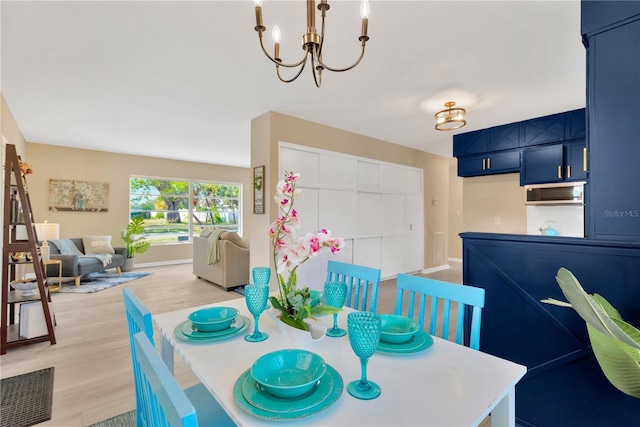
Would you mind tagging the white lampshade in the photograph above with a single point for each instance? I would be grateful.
(47, 231)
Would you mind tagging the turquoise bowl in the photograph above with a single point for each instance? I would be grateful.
(288, 374)
(315, 297)
(397, 329)
(213, 319)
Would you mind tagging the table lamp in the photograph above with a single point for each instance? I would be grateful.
(47, 231)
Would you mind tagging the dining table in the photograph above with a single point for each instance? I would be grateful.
(446, 384)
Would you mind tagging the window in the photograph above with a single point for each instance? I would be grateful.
(174, 210)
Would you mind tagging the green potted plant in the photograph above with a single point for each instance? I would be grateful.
(134, 241)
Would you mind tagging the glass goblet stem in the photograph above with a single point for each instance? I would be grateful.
(364, 384)
(335, 321)
(256, 332)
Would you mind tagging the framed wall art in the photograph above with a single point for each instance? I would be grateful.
(258, 190)
(79, 196)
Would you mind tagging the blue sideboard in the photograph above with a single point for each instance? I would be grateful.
(564, 385)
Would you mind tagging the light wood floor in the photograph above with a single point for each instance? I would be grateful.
(93, 375)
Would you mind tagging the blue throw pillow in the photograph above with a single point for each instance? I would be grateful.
(66, 247)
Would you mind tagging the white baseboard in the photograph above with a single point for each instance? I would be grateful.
(163, 263)
(434, 269)
(455, 260)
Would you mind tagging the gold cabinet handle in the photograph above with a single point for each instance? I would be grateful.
(568, 171)
(559, 172)
(483, 163)
(488, 162)
(584, 159)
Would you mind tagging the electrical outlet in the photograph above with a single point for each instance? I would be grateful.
(497, 220)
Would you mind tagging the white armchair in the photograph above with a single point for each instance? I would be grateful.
(233, 268)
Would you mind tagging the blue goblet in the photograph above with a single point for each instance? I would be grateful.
(261, 275)
(256, 298)
(364, 335)
(334, 295)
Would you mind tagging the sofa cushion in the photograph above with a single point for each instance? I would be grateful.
(97, 245)
(66, 247)
(232, 237)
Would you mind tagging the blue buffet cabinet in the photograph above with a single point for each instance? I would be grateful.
(564, 385)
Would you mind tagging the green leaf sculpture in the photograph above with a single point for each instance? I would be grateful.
(615, 343)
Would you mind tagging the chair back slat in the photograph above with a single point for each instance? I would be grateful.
(138, 320)
(362, 284)
(168, 405)
(447, 292)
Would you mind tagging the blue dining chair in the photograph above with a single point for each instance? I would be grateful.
(208, 410)
(166, 403)
(420, 289)
(362, 284)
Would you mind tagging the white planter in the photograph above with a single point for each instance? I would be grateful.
(129, 265)
(315, 333)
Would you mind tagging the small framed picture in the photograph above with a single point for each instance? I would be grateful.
(258, 190)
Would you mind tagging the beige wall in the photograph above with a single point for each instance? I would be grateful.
(57, 162)
(455, 210)
(492, 199)
(302, 132)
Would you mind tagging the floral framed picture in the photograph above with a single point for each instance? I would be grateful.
(258, 190)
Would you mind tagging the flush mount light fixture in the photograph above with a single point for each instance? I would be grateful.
(312, 42)
(450, 118)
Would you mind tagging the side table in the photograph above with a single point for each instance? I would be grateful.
(54, 288)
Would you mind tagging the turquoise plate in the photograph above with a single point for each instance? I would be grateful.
(272, 415)
(255, 395)
(420, 342)
(186, 332)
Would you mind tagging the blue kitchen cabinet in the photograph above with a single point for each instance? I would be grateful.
(543, 130)
(554, 163)
(489, 163)
(564, 385)
(575, 124)
(470, 143)
(503, 137)
(613, 76)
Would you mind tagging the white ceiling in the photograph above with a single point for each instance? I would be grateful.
(183, 80)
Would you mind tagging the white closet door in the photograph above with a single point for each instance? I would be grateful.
(368, 252)
(415, 233)
(394, 249)
(299, 161)
(337, 172)
(313, 273)
(308, 207)
(394, 214)
(337, 212)
(369, 214)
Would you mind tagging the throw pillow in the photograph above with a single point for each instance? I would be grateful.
(66, 247)
(97, 245)
(233, 237)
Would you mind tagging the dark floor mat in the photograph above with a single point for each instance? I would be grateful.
(26, 399)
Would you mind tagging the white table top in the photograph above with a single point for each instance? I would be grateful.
(445, 385)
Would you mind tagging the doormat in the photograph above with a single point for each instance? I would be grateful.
(94, 282)
(128, 419)
(26, 399)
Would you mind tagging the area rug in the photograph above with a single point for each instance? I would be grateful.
(26, 399)
(128, 419)
(94, 282)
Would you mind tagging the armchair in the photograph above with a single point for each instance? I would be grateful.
(233, 268)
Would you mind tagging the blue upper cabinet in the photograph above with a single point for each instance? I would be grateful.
(489, 163)
(470, 143)
(554, 163)
(504, 137)
(543, 130)
(597, 16)
(575, 124)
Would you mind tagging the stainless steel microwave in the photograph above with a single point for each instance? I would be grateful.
(565, 193)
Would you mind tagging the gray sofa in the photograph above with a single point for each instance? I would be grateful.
(77, 266)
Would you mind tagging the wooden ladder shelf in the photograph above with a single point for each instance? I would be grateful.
(16, 195)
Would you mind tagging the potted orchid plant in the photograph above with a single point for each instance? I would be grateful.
(289, 252)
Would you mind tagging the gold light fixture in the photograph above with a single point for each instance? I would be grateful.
(312, 42)
(450, 118)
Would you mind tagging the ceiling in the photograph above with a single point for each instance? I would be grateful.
(183, 80)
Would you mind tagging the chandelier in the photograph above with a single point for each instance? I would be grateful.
(450, 118)
(312, 42)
